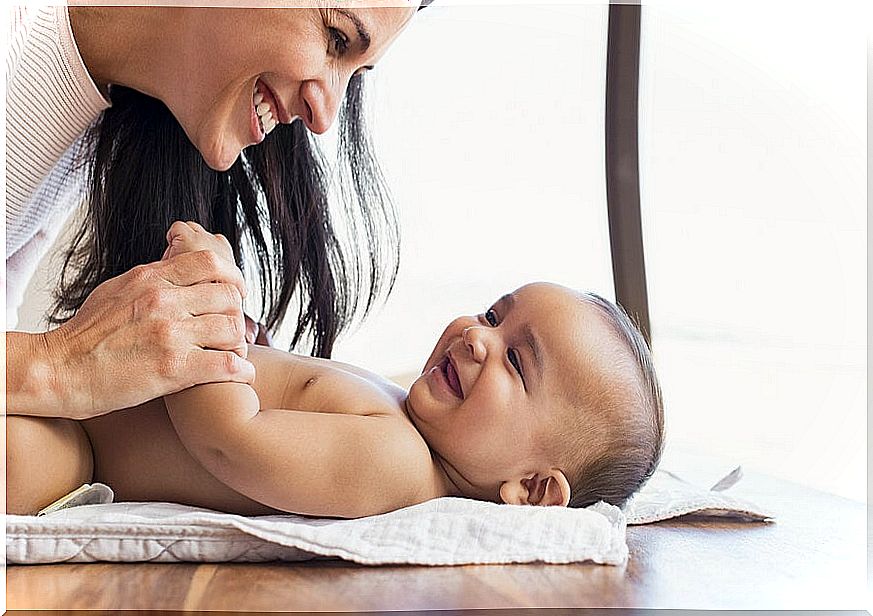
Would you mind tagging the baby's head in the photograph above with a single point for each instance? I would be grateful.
(549, 397)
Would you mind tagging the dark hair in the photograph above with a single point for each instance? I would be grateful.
(630, 428)
(143, 173)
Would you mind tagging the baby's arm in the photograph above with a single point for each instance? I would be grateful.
(325, 464)
(322, 464)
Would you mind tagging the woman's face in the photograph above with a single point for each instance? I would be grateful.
(300, 59)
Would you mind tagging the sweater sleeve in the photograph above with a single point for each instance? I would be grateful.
(42, 64)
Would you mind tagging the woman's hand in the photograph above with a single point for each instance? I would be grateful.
(155, 330)
(190, 237)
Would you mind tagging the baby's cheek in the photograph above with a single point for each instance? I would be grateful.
(413, 394)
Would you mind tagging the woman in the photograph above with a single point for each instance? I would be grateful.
(169, 113)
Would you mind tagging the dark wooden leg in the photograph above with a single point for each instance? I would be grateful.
(622, 163)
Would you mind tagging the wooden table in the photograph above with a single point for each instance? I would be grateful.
(813, 557)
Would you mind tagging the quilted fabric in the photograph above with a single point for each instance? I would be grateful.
(444, 531)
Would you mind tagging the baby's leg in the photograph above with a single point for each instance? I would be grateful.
(46, 458)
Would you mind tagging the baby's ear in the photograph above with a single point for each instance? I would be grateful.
(550, 488)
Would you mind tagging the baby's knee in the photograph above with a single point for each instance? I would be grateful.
(46, 458)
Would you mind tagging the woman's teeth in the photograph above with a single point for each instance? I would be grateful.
(265, 113)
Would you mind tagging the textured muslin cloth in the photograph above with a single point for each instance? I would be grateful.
(443, 531)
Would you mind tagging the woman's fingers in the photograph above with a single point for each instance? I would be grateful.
(216, 307)
(193, 268)
(211, 298)
(209, 366)
(217, 331)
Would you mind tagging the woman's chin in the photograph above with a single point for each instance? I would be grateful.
(222, 167)
(218, 152)
(222, 161)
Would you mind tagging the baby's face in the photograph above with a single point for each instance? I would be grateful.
(493, 392)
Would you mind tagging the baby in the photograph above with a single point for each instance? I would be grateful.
(546, 398)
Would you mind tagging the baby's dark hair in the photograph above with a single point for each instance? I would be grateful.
(629, 428)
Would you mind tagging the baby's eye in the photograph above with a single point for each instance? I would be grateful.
(516, 363)
(491, 317)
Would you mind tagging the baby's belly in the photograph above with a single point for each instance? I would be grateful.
(138, 454)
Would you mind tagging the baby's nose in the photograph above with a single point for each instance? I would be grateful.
(473, 339)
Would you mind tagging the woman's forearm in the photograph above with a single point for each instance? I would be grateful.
(35, 383)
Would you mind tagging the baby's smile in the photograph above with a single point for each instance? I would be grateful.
(451, 375)
(447, 377)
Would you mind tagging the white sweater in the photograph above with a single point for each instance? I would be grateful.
(50, 101)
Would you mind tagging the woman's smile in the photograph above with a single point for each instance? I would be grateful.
(258, 132)
(266, 111)
(235, 94)
(272, 99)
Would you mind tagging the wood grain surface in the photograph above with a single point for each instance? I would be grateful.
(812, 557)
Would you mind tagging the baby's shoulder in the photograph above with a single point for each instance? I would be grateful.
(407, 459)
(296, 382)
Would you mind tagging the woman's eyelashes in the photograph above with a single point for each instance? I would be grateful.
(339, 41)
(512, 354)
(340, 44)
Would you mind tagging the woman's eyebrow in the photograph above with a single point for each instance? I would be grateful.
(363, 34)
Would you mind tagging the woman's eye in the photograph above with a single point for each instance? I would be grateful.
(339, 40)
(516, 363)
(491, 317)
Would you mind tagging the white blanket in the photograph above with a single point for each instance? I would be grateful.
(444, 531)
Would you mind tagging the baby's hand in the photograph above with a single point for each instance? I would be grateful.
(191, 237)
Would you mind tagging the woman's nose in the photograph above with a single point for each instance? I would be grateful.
(322, 101)
(474, 339)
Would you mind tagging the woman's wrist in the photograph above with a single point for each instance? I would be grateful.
(32, 385)
(38, 377)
